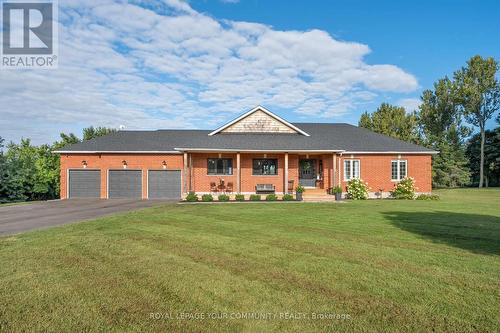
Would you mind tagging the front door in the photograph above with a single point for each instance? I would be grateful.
(307, 172)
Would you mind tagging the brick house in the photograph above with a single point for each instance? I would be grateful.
(257, 151)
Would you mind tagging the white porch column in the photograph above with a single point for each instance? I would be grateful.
(191, 185)
(334, 168)
(238, 173)
(285, 188)
(185, 173)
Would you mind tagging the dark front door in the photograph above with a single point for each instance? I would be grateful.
(307, 172)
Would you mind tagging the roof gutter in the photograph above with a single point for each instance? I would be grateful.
(116, 152)
(258, 150)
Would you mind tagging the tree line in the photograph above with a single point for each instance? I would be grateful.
(445, 121)
(29, 172)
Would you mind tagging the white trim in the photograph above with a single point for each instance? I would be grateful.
(398, 161)
(194, 150)
(116, 152)
(434, 152)
(352, 168)
(263, 109)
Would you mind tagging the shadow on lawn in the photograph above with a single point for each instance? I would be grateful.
(473, 232)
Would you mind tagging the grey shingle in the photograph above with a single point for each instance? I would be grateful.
(329, 137)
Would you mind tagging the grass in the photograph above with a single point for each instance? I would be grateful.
(393, 266)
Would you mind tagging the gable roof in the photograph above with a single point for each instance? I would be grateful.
(253, 111)
(343, 138)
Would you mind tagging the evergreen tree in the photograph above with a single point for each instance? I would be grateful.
(441, 128)
(491, 157)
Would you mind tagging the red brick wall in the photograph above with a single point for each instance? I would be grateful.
(104, 162)
(375, 169)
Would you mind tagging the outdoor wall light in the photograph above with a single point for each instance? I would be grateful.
(84, 163)
(164, 164)
(124, 164)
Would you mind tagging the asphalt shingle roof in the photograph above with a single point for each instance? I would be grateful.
(329, 137)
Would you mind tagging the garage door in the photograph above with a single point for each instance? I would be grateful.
(164, 184)
(125, 184)
(84, 183)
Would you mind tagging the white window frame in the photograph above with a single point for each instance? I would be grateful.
(399, 170)
(351, 173)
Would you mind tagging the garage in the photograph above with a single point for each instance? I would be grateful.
(84, 183)
(125, 184)
(164, 184)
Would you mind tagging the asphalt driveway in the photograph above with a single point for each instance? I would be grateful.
(29, 216)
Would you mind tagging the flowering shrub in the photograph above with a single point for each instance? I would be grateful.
(357, 189)
(405, 189)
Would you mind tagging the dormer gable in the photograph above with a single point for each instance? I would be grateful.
(259, 120)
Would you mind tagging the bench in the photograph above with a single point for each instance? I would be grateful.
(264, 188)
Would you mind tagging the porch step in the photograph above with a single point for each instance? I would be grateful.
(319, 199)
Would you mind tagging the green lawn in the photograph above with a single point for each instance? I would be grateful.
(393, 266)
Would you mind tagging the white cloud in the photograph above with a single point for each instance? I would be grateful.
(161, 64)
(410, 104)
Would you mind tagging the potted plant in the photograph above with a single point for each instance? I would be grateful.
(337, 191)
(298, 192)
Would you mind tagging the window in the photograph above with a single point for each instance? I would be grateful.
(351, 169)
(398, 170)
(265, 167)
(220, 166)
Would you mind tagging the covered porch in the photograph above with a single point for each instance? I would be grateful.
(246, 172)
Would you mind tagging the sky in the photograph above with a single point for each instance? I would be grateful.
(198, 64)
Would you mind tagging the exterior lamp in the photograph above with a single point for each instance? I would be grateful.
(164, 164)
(124, 164)
(84, 164)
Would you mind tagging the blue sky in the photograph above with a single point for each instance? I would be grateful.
(198, 64)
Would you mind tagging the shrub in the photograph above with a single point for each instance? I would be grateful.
(428, 197)
(337, 189)
(271, 197)
(223, 197)
(191, 197)
(207, 198)
(405, 189)
(357, 189)
(254, 197)
(287, 197)
(239, 197)
(300, 189)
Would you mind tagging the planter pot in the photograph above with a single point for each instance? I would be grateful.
(298, 195)
(338, 196)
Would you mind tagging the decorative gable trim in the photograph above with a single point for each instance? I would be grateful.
(269, 113)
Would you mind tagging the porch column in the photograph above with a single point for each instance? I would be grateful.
(334, 169)
(339, 168)
(185, 165)
(191, 172)
(285, 188)
(238, 173)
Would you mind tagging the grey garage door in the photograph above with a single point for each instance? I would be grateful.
(125, 184)
(164, 184)
(84, 183)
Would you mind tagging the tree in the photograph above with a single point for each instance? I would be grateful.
(441, 128)
(479, 96)
(491, 156)
(94, 132)
(392, 121)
